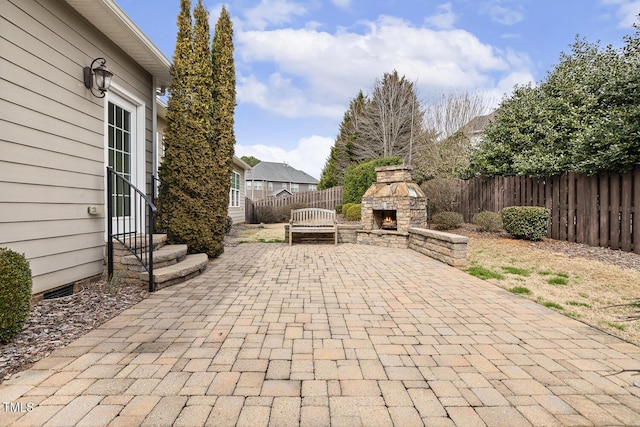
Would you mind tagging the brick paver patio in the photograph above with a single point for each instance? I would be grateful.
(315, 335)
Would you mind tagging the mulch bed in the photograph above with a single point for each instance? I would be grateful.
(56, 322)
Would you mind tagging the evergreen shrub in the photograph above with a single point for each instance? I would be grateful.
(526, 222)
(487, 221)
(15, 293)
(276, 214)
(447, 220)
(354, 212)
(358, 178)
(346, 207)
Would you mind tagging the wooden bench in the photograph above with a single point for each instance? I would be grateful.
(313, 220)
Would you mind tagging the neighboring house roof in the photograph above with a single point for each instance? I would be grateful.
(477, 124)
(279, 172)
(116, 25)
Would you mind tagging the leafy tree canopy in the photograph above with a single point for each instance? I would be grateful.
(250, 160)
(584, 117)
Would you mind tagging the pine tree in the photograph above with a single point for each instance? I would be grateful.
(187, 171)
(341, 155)
(224, 103)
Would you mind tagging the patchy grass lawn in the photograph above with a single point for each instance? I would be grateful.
(262, 233)
(586, 289)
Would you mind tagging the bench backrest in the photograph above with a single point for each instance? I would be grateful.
(313, 216)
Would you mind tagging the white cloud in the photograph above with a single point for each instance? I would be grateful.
(343, 4)
(270, 12)
(280, 96)
(500, 13)
(444, 19)
(309, 155)
(318, 72)
(627, 12)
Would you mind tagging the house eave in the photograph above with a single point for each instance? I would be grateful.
(241, 163)
(115, 24)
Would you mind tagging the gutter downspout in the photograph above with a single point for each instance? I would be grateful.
(154, 135)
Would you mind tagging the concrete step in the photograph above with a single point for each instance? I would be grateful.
(159, 240)
(162, 257)
(190, 267)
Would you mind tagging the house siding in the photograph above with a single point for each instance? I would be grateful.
(52, 138)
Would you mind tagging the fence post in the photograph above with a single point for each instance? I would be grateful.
(636, 210)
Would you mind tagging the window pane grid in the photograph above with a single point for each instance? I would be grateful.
(234, 195)
(119, 132)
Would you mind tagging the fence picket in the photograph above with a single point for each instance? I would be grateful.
(636, 211)
(625, 214)
(614, 211)
(603, 203)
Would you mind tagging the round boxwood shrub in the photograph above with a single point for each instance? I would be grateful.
(353, 213)
(346, 207)
(526, 222)
(447, 220)
(15, 293)
(487, 221)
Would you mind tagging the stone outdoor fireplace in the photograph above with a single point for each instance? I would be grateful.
(392, 205)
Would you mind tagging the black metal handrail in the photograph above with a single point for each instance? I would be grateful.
(132, 214)
(156, 184)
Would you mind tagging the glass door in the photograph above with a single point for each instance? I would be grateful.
(121, 157)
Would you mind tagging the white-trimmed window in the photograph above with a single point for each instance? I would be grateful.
(313, 187)
(234, 196)
(295, 187)
(270, 186)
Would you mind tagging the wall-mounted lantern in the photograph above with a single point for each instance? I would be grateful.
(102, 77)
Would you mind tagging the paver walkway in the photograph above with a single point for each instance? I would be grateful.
(315, 335)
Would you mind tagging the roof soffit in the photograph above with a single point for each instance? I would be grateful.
(115, 24)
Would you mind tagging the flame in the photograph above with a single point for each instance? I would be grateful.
(388, 219)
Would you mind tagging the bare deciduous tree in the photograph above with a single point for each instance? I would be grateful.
(452, 123)
(453, 111)
(393, 117)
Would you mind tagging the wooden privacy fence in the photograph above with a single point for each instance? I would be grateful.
(600, 210)
(325, 199)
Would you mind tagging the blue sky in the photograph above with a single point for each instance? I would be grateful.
(300, 62)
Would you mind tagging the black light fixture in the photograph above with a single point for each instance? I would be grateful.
(102, 79)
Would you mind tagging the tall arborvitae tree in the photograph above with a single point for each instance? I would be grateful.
(188, 166)
(224, 103)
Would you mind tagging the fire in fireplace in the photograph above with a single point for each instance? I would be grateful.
(385, 219)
